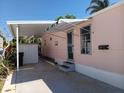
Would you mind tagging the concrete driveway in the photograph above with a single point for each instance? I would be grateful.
(45, 78)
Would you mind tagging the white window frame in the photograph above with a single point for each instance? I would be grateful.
(84, 41)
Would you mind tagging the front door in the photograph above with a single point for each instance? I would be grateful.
(70, 45)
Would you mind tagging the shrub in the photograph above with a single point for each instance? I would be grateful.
(5, 67)
(12, 57)
(11, 52)
(3, 71)
(7, 63)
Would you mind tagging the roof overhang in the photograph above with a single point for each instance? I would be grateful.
(37, 28)
(31, 22)
(65, 24)
(29, 28)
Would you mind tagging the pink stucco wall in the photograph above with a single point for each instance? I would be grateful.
(59, 52)
(107, 28)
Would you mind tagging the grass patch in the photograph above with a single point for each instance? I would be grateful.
(1, 85)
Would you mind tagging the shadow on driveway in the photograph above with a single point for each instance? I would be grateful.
(45, 78)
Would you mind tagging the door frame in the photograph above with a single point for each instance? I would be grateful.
(72, 30)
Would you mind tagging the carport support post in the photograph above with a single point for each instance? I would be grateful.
(17, 46)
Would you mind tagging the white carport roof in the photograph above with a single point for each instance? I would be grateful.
(37, 28)
(29, 28)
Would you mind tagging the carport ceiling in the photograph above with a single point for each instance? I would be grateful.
(29, 28)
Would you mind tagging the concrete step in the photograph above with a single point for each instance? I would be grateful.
(67, 66)
(68, 63)
(64, 68)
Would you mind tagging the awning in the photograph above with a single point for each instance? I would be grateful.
(37, 28)
(29, 28)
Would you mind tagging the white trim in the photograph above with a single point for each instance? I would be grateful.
(30, 22)
(71, 20)
(111, 78)
(17, 46)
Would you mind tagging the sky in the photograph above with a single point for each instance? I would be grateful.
(40, 10)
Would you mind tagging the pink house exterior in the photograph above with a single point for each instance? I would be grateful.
(105, 61)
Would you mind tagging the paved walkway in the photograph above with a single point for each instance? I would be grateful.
(45, 78)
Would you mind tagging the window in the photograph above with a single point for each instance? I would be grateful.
(85, 33)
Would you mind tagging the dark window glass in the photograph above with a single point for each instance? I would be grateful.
(69, 38)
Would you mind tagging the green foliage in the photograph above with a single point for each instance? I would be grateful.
(3, 71)
(11, 52)
(59, 17)
(70, 17)
(5, 67)
(23, 39)
(65, 17)
(96, 5)
(7, 63)
(29, 40)
(12, 56)
(13, 43)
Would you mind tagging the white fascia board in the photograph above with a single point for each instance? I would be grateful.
(31, 22)
(71, 20)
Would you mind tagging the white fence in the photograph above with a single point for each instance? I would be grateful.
(30, 53)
